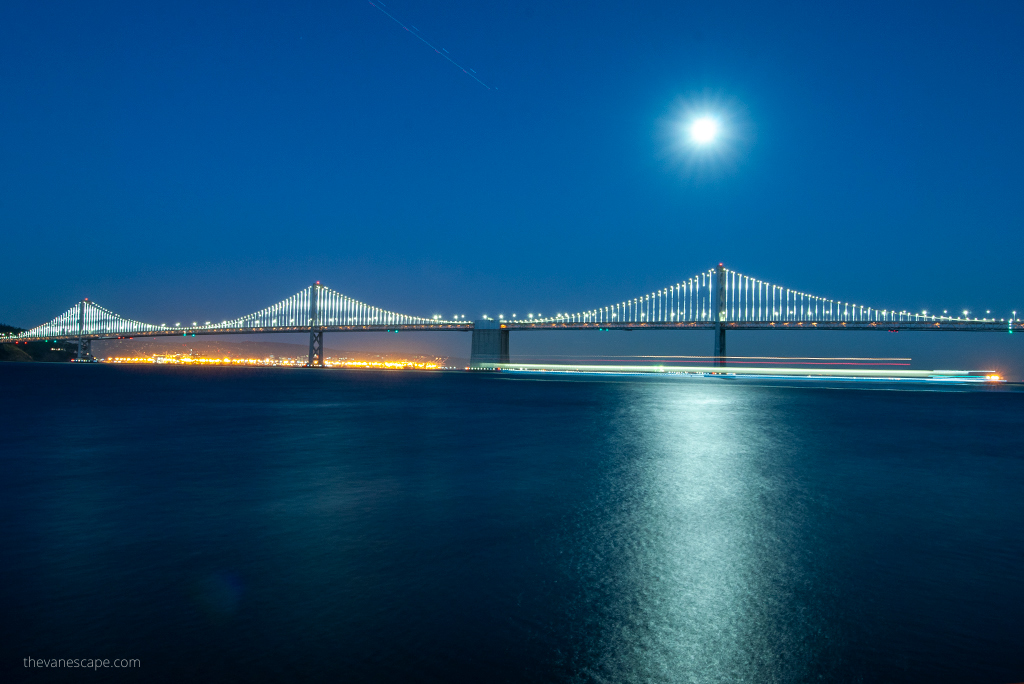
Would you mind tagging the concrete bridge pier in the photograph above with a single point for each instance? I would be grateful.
(719, 344)
(490, 343)
(722, 314)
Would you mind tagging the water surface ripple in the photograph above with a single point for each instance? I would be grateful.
(305, 525)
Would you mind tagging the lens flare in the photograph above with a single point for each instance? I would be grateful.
(704, 136)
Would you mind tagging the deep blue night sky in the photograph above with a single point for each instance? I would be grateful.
(202, 160)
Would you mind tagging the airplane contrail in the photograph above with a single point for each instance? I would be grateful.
(415, 32)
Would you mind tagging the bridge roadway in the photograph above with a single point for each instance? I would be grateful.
(953, 325)
(891, 326)
(490, 344)
(718, 299)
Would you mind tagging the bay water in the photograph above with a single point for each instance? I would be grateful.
(234, 524)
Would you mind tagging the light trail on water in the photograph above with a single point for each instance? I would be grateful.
(769, 360)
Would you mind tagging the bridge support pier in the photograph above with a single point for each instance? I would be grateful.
(719, 345)
(316, 333)
(84, 350)
(490, 344)
(316, 348)
(722, 311)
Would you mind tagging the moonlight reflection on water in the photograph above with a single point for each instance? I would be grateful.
(234, 522)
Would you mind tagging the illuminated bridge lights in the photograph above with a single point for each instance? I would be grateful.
(715, 297)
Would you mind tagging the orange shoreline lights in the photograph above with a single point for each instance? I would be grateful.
(400, 364)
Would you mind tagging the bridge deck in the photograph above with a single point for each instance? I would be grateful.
(893, 326)
(945, 325)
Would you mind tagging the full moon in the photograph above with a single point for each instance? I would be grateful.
(704, 130)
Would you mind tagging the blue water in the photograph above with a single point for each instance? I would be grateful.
(308, 525)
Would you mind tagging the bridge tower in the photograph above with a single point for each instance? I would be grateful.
(490, 343)
(316, 333)
(721, 315)
(84, 345)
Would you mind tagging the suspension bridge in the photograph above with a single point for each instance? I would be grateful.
(718, 299)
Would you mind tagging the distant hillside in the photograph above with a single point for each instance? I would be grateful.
(10, 352)
(34, 351)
